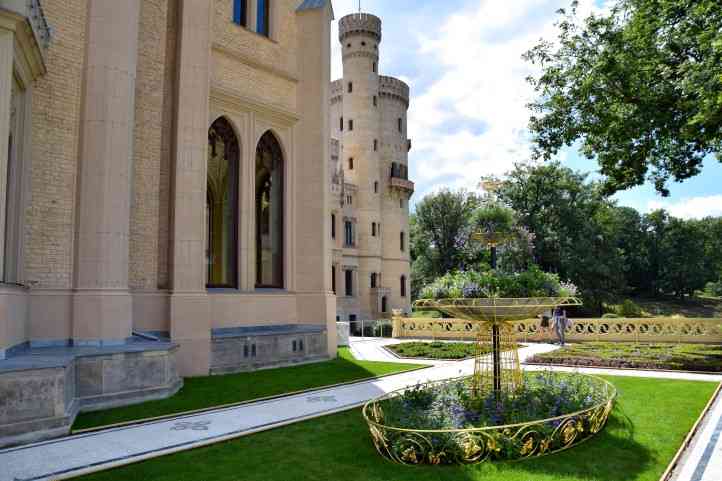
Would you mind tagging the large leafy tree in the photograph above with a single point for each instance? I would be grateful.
(575, 228)
(441, 231)
(639, 88)
(683, 246)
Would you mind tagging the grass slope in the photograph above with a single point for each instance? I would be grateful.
(689, 357)
(646, 429)
(207, 392)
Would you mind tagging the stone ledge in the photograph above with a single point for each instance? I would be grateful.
(41, 394)
(255, 331)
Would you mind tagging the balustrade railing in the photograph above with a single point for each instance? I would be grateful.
(660, 329)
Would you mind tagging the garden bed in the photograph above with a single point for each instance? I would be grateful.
(436, 350)
(676, 357)
(446, 423)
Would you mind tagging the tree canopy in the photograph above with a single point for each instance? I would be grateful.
(639, 88)
(564, 224)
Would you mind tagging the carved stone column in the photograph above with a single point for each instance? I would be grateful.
(190, 315)
(102, 304)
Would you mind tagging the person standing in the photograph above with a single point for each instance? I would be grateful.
(561, 323)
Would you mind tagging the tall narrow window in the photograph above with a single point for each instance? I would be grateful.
(333, 279)
(373, 280)
(350, 163)
(376, 101)
(402, 239)
(349, 283)
(222, 206)
(376, 187)
(350, 87)
(384, 304)
(373, 229)
(269, 213)
(374, 67)
(240, 12)
(348, 234)
(403, 286)
(376, 145)
(341, 124)
(350, 124)
(333, 226)
(401, 125)
(263, 26)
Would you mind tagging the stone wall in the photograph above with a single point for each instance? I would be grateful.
(50, 232)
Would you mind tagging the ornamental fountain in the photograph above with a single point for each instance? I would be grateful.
(441, 422)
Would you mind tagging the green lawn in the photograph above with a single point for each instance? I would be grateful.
(207, 392)
(644, 432)
(688, 357)
(435, 350)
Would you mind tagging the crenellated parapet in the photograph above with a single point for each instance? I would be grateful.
(393, 88)
(359, 24)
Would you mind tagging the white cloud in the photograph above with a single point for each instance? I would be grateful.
(690, 207)
(483, 85)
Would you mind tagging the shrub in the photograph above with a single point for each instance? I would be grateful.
(714, 289)
(610, 315)
(472, 284)
(629, 308)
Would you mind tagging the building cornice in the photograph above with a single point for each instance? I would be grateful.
(251, 62)
(233, 100)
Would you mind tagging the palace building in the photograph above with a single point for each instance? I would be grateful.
(369, 179)
(164, 199)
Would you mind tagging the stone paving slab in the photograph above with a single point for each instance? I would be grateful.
(75, 455)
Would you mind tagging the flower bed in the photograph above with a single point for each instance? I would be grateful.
(442, 423)
(436, 350)
(687, 357)
(494, 284)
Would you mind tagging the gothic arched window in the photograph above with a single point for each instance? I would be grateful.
(222, 206)
(269, 213)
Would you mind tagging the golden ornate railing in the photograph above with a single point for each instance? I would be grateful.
(660, 329)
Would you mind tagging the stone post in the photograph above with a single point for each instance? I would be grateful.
(397, 321)
(102, 303)
(190, 322)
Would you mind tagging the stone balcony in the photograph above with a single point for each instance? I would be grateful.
(403, 184)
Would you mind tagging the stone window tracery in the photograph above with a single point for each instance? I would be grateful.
(270, 209)
(222, 206)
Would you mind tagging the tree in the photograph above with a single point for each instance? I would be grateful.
(574, 227)
(441, 231)
(632, 244)
(640, 88)
(683, 270)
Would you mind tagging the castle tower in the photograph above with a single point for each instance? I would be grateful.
(368, 118)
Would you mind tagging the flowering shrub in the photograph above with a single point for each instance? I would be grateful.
(472, 284)
(443, 423)
(451, 406)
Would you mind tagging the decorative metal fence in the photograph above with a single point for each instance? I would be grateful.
(679, 330)
(371, 328)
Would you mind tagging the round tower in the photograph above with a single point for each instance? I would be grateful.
(368, 116)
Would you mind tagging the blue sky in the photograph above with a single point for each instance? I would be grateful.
(468, 116)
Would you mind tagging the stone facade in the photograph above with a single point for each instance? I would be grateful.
(105, 110)
(370, 189)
